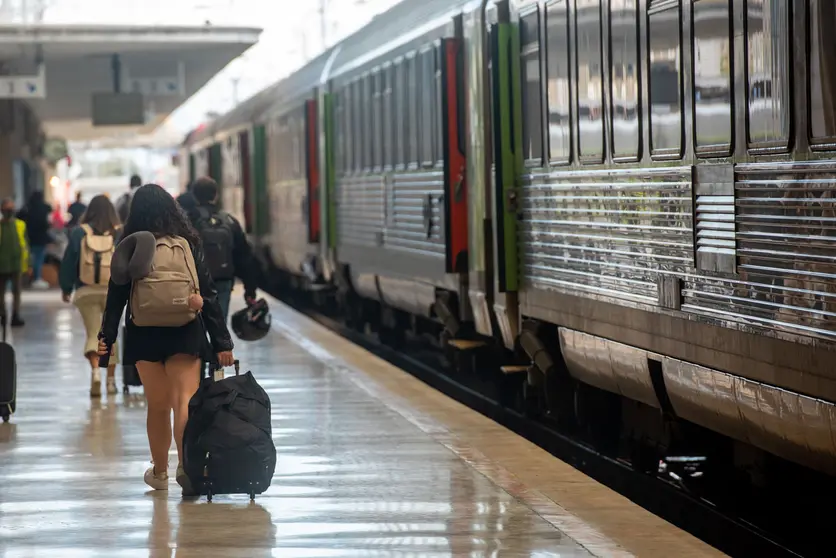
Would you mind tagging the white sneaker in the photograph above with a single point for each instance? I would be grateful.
(40, 284)
(95, 383)
(157, 481)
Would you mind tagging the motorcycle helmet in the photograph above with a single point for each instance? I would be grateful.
(252, 323)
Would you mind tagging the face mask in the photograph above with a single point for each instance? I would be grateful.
(8, 213)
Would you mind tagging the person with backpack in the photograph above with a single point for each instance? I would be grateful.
(123, 204)
(84, 275)
(228, 253)
(14, 260)
(159, 272)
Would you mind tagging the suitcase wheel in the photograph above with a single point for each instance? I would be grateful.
(5, 417)
(125, 390)
(252, 496)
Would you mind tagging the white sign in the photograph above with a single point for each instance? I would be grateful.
(24, 87)
(161, 86)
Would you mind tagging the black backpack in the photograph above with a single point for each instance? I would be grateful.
(218, 243)
(228, 442)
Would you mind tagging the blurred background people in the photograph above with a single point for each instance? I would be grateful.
(14, 260)
(36, 215)
(93, 241)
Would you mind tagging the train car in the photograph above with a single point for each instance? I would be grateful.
(400, 194)
(633, 199)
(674, 183)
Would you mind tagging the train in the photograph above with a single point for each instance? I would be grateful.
(631, 202)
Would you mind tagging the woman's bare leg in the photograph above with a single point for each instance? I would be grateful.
(95, 376)
(183, 373)
(155, 382)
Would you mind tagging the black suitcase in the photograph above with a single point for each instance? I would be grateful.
(8, 379)
(228, 442)
(130, 375)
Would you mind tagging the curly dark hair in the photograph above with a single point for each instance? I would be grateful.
(154, 210)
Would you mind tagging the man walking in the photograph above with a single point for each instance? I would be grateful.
(123, 204)
(14, 260)
(226, 251)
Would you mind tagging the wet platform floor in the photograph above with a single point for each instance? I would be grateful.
(371, 462)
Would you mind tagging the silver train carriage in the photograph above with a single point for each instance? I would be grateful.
(652, 180)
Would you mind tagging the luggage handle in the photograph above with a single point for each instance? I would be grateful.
(216, 370)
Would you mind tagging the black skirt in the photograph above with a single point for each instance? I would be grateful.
(158, 344)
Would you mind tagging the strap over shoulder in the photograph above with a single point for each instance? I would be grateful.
(133, 257)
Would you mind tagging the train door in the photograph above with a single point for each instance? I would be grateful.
(312, 196)
(508, 166)
(452, 121)
(259, 181)
(246, 179)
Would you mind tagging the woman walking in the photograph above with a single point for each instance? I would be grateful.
(167, 357)
(85, 273)
(36, 215)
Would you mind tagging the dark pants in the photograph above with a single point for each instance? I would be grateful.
(38, 259)
(15, 279)
(224, 288)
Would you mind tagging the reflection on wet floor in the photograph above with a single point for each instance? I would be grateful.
(354, 477)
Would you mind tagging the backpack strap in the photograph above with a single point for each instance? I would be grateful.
(86, 228)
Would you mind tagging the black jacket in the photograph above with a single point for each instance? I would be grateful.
(244, 262)
(118, 296)
(36, 218)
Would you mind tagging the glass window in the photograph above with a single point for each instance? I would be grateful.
(414, 103)
(339, 130)
(768, 72)
(439, 103)
(665, 79)
(357, 124)
(822, 70)
(427, 127)
(377, 119)
(624, 34)
(590, 80)
(712, 75)
(401, 112)
(388, 138)
(532, 105)
(557, 84)
(368, 121)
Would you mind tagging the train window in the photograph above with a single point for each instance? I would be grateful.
(822, 72)
(401, 104)
(769, 64)
(557, 82)
(532, 95)
(368, 122)
(412, 67)
(357, 125)
(377, 119)
(427, 125)
(665, 78)
(388, 139)
(712, 76)
(339, 130)
(439, 104)
(624, 75)
(590, 80)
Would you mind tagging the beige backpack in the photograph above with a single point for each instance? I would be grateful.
(96, 253)
(161, 299)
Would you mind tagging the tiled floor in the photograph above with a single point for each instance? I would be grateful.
(371, 463)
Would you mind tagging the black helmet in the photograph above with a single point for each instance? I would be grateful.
(252, 323)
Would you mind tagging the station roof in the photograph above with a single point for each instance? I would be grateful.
(77, 61)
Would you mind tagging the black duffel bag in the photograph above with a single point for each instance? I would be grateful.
(228, 442)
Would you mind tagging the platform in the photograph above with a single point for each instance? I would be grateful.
(371, 462)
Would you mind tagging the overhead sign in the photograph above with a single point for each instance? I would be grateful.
(118, 109)
(173, 85)
(24, 87)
